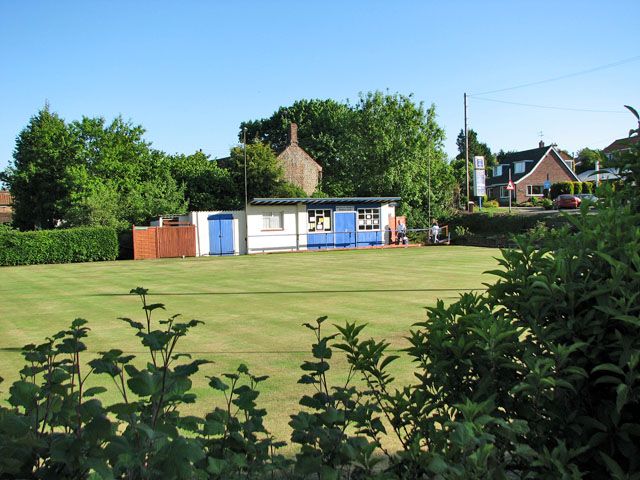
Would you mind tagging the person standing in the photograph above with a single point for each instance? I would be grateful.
(402, 233)
(435, 231)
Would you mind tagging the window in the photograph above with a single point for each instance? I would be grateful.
(272, 221)
(535, 190)
(497, 170)
(504, 193)
(368, 219)
(518, 167)
(319, 220)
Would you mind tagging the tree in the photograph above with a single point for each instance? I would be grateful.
(206, 185)
(118, 179)
(385, 144)
(587, 158)
(45, 150)
(476, 148)
(324, 131)
(265, 176)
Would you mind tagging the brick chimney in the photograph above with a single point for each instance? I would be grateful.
(293, 134)
(541, 144)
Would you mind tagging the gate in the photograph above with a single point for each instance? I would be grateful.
(164, 242)
(221, 234)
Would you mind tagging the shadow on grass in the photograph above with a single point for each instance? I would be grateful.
(297, 292)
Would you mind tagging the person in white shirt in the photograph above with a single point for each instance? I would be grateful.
(435, 231)
(402, 233)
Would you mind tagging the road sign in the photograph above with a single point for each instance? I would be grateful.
(511, 186)
(547, 185)
(479, 189)
(478, 162)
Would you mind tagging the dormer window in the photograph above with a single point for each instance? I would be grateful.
(497, 170)
(518, 167)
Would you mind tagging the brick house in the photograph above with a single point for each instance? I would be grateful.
(6, 209)
(529, 170)
(620, 145)
(299, 167)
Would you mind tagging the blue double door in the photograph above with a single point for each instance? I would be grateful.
(345, 228)
(221, 234)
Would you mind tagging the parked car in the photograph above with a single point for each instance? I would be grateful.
(567, 201)
(589, 197)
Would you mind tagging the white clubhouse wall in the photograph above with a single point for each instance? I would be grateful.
(291, 237)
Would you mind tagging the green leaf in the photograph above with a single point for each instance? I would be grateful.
(23, 394)
(90, 392)
(218, 384)
(437, 465)
(145, 383)
(622, 396)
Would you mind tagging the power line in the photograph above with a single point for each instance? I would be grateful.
(550, 107)
(562, 77)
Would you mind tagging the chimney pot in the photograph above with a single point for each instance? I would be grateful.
(293, 134)
(541, 144)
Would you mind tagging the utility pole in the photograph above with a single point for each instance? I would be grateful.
(246, 197)
(429, 191)
(466, 149)
(509, 189)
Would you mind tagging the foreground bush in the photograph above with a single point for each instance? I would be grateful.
(86, 244)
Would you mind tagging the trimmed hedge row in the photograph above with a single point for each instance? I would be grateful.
(488, 224)
(84, 244)
(572, 188)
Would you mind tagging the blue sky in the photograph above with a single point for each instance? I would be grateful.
(191, 71)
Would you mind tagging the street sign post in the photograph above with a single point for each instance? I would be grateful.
(479, 185)
(510, 187)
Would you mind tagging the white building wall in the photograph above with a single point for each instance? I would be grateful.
(386, 211)
(277, 240)
(200, 220)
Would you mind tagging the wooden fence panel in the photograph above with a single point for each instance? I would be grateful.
(177, 241)
(145, 243)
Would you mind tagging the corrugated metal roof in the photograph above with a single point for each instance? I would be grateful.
(323, 201)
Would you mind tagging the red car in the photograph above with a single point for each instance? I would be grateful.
(567, 201)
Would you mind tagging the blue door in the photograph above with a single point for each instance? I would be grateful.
(345, 223)
(221, 234)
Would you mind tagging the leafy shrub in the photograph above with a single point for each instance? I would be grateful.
(546, 204)
(588, 187)
(499, 224)
(57, 428)
(491, 204)
(85, 244)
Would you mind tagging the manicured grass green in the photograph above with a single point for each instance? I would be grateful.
(253, 307)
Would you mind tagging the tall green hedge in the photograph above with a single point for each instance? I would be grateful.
(492, 224)
(85, 244)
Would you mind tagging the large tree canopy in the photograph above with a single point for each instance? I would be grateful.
(88, 172)
(45, 149)
(265, 176)
(385, 144)
(206, 185)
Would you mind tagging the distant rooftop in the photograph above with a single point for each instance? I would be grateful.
(323, 201)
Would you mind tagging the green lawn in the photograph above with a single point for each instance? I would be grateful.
(253, 306)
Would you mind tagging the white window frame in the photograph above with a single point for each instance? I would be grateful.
(530, 190)
(368, 219)
(316, 215)
(504, 193)
(272, 221)
(497, 170)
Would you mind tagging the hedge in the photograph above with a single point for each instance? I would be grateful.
(85, 244)
(501, 224)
